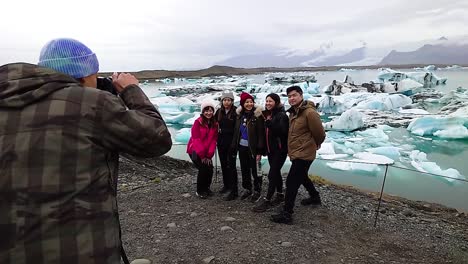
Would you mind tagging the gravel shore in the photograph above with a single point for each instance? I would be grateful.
(164, 221)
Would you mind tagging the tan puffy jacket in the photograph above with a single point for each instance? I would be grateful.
(306, 132)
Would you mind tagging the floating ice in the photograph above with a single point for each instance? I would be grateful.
(385, 102)
(313, 88)
(420, 162)
(331, 105)
(454, 132)
(440, 126)
(353, 166)
(190, 121)
(374, 158)
(391, 152)
(178, 119)
(183, 135)
(374, 133)
(414, 111)
(326, 148)
(348, 121)
(333, 156)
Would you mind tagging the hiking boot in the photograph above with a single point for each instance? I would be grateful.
(231, 196)
(202, 195)
(246, 194)
(312, 200)
(282, 217)
(263, 206)
(255, 197)
(279, 198)
(223, 190)
(141, 261)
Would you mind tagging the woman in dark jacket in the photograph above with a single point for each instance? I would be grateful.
(226, 117)
(276, 137)
(249, 137)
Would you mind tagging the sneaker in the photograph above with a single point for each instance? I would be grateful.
(279, 198)
(255, 197)
(231, 196)
(282, 218)
(312, 200)
(263, 206)
(223, 190)
(201, 195)
(246, 194)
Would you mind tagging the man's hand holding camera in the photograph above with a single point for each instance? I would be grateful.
(123, 80)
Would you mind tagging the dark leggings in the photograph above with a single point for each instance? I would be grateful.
(204, 176)
(275, 181)
(249, 169)
(228, 168)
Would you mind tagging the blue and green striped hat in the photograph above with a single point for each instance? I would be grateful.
(69, 56)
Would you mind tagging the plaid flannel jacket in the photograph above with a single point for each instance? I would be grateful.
(59, 145)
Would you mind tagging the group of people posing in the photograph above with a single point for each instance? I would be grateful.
(251, 132)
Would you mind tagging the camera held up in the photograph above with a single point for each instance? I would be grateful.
(105, 84)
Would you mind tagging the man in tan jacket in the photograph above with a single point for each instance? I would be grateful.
(305, 136)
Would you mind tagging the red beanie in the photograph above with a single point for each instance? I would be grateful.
(244, 96)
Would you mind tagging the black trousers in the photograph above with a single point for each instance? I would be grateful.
(204, 176)
(275, 181)
(228, 168)
(298, 174)
(249, 169)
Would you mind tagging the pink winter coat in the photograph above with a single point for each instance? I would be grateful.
(203, 139)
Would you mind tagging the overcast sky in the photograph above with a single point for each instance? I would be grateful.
(175, 34)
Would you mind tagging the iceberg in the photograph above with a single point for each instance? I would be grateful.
(447, 127)
(426, 78)
(390, 152)
(333, 156)
(330, 105)
(373, 133)
(352, 166)
(183, 135)
(326, 149)
(420, 162)
(313, 88)
(385, 102)
(177, 119)
(348, 121)
(374, 158)
(190, 121)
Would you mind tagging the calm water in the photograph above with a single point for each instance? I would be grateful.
(400, 182)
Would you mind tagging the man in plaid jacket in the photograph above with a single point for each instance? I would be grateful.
(59, 150)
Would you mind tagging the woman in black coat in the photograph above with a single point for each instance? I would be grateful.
(276, 138)
(249, 142)
(226, 117)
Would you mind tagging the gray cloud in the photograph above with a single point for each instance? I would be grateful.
(188, 34)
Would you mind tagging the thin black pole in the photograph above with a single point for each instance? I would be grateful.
(381, 193)
(216, 164)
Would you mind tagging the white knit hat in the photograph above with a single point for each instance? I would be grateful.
(207, 102)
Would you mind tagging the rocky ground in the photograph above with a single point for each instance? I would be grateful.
(164, 221)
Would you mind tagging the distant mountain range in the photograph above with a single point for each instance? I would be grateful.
(429, 54)
(440, 51)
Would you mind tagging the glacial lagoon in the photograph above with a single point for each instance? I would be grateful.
(412, 154)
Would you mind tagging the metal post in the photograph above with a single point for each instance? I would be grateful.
(216, 164)
(381, 193)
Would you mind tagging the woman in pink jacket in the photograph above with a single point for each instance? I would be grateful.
(201, 147)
